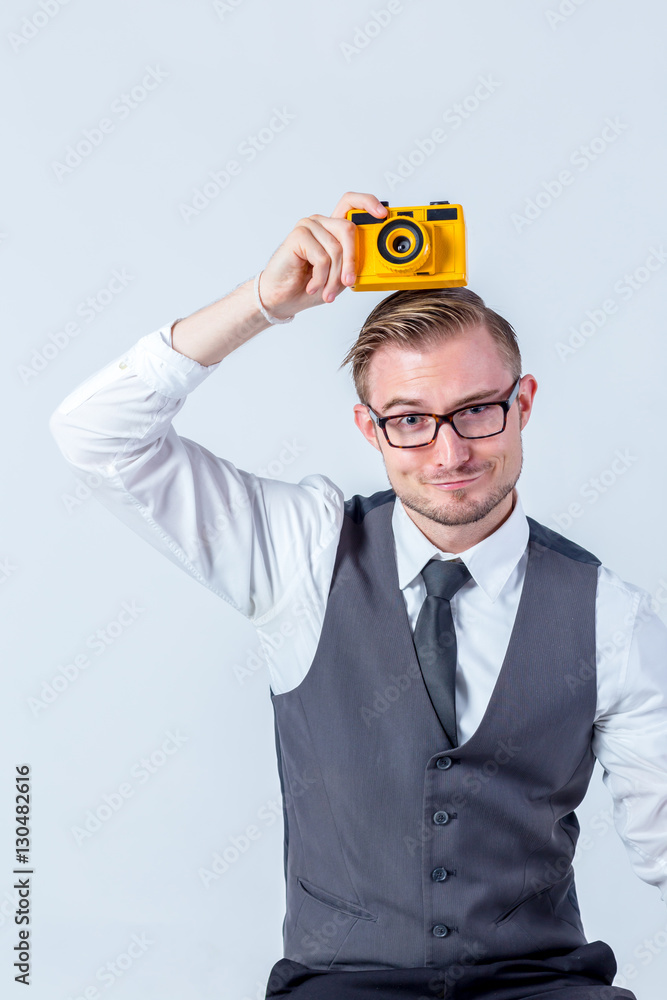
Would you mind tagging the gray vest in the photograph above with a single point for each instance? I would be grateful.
(400, 852)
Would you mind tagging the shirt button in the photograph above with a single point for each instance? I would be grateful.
(122, 365)
(440, 930)
(439, 874)
(443, 763)
(441, 817)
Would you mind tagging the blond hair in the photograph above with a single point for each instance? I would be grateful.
(424, 318)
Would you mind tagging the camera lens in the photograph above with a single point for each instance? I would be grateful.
(401, 244)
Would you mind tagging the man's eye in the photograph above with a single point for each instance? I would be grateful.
(474, 411)
(408, 420)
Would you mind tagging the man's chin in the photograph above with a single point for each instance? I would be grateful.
(455, 506)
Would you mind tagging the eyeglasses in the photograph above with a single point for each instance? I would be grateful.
(415, 430)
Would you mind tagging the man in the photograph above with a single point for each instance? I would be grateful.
(457, 668)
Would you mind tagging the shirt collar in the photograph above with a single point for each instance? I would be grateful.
(490, 561)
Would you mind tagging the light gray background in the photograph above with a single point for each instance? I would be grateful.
(68, 571)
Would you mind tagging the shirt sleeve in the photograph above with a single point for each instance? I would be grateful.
(247, 538)
(630, 736)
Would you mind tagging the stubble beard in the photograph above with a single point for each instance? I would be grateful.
(455, 508)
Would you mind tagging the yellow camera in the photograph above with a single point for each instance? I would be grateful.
(415, 246)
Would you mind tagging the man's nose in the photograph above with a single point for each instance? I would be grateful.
(450, 449)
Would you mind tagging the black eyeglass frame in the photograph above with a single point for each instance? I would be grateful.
(448, 418)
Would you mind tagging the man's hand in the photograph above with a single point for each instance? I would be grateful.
(313, 265)
(317, 260)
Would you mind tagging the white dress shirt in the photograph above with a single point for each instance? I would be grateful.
(267, 548)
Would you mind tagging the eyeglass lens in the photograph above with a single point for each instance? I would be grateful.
(416, 428)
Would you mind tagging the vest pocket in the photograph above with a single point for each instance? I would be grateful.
(336, 902)
(324, 928)
(526, 899)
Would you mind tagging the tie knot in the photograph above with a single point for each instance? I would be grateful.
(443, 577)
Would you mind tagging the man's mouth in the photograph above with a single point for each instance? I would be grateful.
(458, 483)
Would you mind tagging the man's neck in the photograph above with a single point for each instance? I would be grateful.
(459, 537)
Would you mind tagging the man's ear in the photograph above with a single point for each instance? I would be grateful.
(525, 397)
(366, 425)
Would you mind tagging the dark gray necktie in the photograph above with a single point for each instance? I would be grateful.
(435, 638)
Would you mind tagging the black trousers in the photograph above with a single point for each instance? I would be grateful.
(586, 973)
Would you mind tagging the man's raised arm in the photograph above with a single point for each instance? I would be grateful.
(199, 510)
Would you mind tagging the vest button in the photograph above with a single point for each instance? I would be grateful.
(441, 817)
(443, 763)
(440, 930)
(439, 874)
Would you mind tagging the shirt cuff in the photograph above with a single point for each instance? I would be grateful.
(164, 369)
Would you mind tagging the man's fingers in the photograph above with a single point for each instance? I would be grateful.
(343, 249)
(338, 239)
(321, 271)
(331, 252)
(310, 249)
(324, 245)
(364, 202)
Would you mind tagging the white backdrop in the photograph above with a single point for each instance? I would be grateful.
(545, 120)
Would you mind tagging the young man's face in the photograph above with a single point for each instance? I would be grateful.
(453, 481)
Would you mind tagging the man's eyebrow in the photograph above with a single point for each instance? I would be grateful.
(473, 397)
